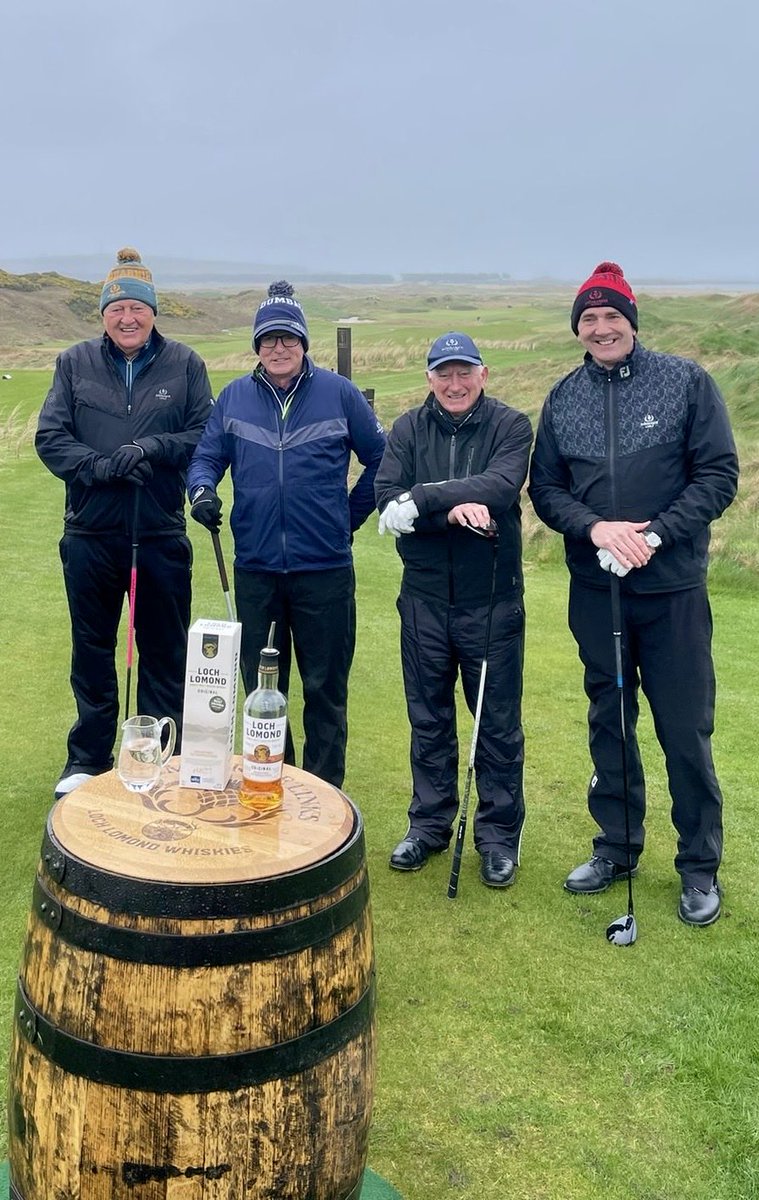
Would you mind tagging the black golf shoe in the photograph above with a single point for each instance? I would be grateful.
(700, 908)
(497, 869)
(412, 853)
(596, 875)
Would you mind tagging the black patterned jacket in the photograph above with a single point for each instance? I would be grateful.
(648, 441)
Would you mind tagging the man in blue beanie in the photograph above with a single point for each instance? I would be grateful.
(286, 433)
(119, 425)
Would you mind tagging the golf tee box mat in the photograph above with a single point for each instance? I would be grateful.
(196, 997)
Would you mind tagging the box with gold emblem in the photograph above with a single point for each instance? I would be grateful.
(210, 704)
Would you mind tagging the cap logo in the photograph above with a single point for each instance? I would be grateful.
(596, 294)
(453, 343)
(115, 289)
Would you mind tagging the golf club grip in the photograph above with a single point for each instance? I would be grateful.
(453, 881)
(222, 572)
(130, 622)
(220, 559)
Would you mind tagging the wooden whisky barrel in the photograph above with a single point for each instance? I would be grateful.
(195, 1007)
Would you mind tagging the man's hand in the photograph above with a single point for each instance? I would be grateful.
(624, 540)
(125, 459)
(141, 473)
(477, 516)
(399, 516)
(101, 469)
(206, 508)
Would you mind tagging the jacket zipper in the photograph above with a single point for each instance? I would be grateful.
(611, 425)
(284, 409)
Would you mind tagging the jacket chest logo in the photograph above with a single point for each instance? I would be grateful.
(649, 421)
(163, 394)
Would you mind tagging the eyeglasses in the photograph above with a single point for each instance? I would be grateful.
(288, 340)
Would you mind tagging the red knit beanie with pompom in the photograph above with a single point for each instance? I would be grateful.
(606, 288)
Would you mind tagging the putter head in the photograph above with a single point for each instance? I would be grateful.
(623, 931)
(487, 531)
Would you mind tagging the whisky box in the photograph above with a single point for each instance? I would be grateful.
(210, 704)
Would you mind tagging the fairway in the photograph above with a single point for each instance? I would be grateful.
(520, 1055)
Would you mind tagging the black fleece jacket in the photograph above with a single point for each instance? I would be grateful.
(648, 441)
(90, 411)
(480, 460)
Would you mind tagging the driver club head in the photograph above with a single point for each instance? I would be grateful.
(487, 531)
(623, 931)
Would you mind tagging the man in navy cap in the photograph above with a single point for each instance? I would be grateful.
(453, 471)
(286, 433)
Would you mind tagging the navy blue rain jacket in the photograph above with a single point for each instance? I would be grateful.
(292, 510)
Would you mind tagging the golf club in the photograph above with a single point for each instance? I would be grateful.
(623, 931)
(132, 597)
(222, 572)
(490, 532)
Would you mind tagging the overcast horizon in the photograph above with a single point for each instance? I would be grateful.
(408, 138)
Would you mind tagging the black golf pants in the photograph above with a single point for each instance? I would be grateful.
(97, 574)
(666, 651)
(437, 643)
(315, 613)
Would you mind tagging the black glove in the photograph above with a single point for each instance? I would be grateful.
(125, 459)
(206, 508)
(140, 474)
(101, 469)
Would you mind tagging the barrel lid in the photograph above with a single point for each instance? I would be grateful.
(193, 836)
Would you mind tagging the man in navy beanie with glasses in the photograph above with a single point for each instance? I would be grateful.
(634, 458)
(286, 433)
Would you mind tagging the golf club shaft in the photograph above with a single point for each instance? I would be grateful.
(222, 572)
(132, 598)
(453, 882)
(616, 618)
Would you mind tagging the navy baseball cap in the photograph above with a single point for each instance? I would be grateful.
(453, 347)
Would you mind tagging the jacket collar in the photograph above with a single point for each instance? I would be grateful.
(623, 370)
(446, 421)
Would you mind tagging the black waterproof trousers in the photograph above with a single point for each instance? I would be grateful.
(97, 572)
(437, 642)
(666, 651)
(315, 612)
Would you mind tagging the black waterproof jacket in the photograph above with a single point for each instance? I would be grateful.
(648, 441)
(481, 460)
(89, 412)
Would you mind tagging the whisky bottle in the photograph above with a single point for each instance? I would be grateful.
(264, 729)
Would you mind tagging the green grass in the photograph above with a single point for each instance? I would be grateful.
(519, 1055)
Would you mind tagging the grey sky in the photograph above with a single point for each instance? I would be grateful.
(533, 138)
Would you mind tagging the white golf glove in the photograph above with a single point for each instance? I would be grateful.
(399, 516)
(652, 539)
(610, 563)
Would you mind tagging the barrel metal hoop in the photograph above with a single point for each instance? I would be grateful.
(154, 898)
(353, 1194)
(180, 1075)
(199, 950)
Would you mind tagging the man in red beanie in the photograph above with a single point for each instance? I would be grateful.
(634, 458)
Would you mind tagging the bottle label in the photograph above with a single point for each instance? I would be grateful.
(263, 748)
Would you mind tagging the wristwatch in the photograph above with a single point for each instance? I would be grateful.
(404, 496)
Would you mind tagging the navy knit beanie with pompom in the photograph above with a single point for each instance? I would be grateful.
(280, 312)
